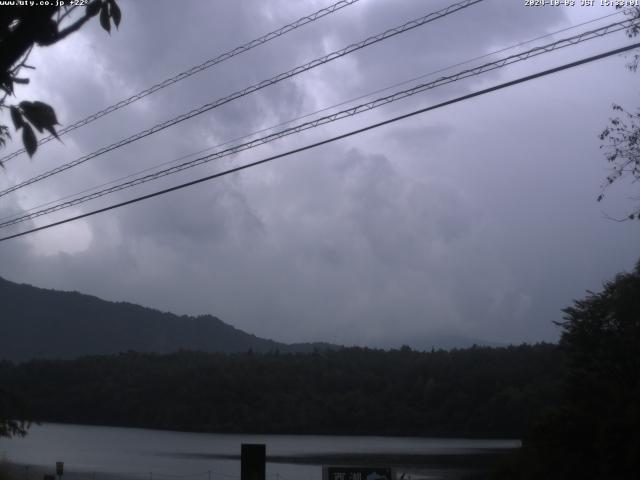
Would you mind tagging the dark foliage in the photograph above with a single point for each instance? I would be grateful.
(13, 415)
(22, 28)
(595, 433)
(476, 392)
(621, 138)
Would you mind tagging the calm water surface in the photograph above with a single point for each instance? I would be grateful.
(113, 452)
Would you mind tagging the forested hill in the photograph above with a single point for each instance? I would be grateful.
(476, 392)
(40, 323)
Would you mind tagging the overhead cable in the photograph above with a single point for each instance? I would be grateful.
(349, 112)
(307, 115)
(193, 70)
(253, 88)
(330, 140)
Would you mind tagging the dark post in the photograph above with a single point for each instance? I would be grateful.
(253, 461)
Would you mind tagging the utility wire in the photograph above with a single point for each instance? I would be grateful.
(501, 63)
(333, 139)
(345, 102)
(248, 90)
(193, 70)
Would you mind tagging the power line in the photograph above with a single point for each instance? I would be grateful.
(333, 139)
(501, 63)
(334, 117)
(248, 90)
(193, 70)
(272, 127)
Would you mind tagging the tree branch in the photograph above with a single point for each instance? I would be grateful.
(66, 31)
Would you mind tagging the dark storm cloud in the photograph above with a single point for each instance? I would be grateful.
(476, 220)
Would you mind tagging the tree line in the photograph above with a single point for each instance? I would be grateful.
(475, 392)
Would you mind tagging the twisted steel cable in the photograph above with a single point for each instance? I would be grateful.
(331, 139)
(310, 114)
(193, 70)
(487, 67)
(251, 89)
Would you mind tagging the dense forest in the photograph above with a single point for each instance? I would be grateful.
(475, 392)
(594, 433)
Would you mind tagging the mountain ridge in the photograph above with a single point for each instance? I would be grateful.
(43, 323)
(46, 323)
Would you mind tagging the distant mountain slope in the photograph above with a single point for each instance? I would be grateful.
(41, 323)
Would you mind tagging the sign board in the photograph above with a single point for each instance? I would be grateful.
(59, 468)
(253, 461)
(356, 473)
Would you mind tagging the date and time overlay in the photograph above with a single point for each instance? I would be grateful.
(526, 3)
(582, 3)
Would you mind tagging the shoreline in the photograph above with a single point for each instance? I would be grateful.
(176, 455)
(456, 466)
(394, 460)
(20, 471)
(437, 435)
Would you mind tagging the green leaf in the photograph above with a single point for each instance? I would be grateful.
(16, 116)
(51, 129)
(29, 139)
(47, 112)
(4, 132)
(48, 115)
(31, 114)
(41, 116)
(104, 18)
(93, 8)
(116, 14)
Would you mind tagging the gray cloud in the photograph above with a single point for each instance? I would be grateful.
(476, 220)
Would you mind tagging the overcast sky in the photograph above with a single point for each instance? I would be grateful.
(478, 219)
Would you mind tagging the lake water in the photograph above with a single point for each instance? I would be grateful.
(108, 453)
